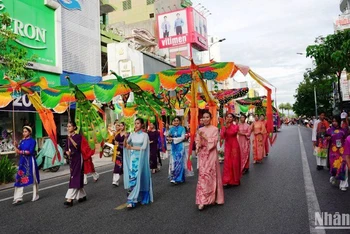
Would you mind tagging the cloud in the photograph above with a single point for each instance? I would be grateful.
(266, 35)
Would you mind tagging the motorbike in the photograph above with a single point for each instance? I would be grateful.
(108, 150)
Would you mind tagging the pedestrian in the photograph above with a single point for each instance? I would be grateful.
(320, 141)
(244, 133)
(258, 128)
(163, 142)
(76, 149)
(119, 143)
(209, 187)
(337, 162)
(232, 164)
(266, 136)
(177, 160)
(153, 135)
(27, 173)
(137, 175)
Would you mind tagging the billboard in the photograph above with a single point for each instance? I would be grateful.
(181, 27)
(344, 85)
(198, 24)
(173, 29)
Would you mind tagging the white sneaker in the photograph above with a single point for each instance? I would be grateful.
(343, 189)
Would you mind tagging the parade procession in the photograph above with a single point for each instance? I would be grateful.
(122, 115)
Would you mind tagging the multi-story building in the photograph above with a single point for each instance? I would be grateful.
(59, 33)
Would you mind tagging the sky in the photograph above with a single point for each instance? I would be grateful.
(266, 35)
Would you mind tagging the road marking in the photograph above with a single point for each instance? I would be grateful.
(311, 198)
(51, 186)
(122, 206)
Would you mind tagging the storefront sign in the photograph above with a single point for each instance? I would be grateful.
(37, 23)
(70, 4)
(125, 68)
(21, 104)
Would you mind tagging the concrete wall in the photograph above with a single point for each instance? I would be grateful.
(81, 45)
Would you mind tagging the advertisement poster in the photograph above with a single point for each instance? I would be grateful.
(173, 29)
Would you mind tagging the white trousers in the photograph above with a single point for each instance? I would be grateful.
(344, 183)
(164, 155)
(95, 175)
(321, 161)
(75, 194)
(18, 194)
(116, 178)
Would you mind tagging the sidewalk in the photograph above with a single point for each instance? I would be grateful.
(64, 170)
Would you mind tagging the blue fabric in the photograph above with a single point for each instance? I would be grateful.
(77, 78)
(178, 155)
(163, 144)
(137, 174)
(24, 176)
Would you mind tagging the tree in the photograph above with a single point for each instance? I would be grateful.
(305, 99)
(331, 55)
(288, 107)
(13, 58)
(282, 107)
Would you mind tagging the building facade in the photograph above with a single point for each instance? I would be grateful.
(65, 36)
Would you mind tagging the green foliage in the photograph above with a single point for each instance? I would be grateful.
(285, 106)
(305, 99)
(331, 55)
(7, 170)
(129, 123)
(13, 58)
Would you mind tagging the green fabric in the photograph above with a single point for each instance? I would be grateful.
(243, 109)
(48, 151)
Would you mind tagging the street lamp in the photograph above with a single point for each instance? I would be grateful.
(315, 94)
(218, 41)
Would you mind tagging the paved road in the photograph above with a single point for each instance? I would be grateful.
(271, 199)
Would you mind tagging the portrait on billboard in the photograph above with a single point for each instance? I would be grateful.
(172, 24)
(200, 24)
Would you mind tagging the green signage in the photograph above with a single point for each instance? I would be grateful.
(35, 23)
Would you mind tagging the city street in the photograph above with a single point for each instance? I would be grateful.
(271, 199)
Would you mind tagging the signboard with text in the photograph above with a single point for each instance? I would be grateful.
(181, 27)
(342, 22)
(20, 104)
(173, 29)
(37, 23)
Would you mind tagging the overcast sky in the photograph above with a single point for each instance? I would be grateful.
(267, 34)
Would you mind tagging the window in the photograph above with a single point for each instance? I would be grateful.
(149, 2)
(126, 5)
(151, 15)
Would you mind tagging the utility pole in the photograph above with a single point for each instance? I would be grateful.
(315, 101)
